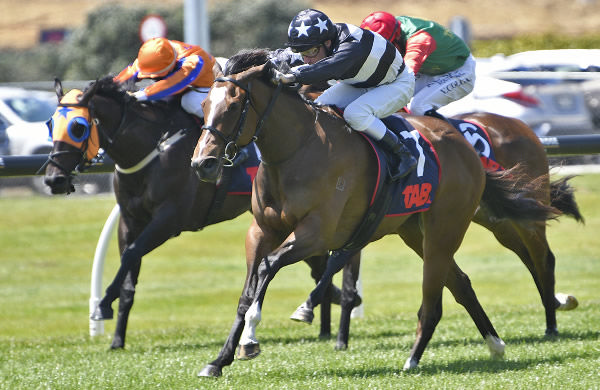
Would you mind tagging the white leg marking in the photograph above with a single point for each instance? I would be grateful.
(495, 345)
(410, 364)
(567, 302)
(252, 319)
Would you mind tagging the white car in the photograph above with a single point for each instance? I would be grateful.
(543, 88)
(23, 116)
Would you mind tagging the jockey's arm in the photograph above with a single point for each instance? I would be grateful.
(174, 82)
(127, 74)
(418, 48)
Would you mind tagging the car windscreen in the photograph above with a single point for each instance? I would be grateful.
(31, 109)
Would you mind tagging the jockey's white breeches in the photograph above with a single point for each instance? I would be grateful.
(364, 106)
(191, 101)
(439, 90)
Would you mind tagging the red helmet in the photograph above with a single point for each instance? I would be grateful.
(383, 23)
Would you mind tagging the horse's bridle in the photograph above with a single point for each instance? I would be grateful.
(231, 146)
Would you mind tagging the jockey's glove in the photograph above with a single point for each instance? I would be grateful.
(284, 78)
(140, 95)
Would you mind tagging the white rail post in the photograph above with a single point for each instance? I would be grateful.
(97, 327)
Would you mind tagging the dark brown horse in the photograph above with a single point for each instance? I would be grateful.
(158, 193)
(313, 188)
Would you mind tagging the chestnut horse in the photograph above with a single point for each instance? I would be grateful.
(158, 193)
(300, 208)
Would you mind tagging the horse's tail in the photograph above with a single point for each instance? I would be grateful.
(507, 196)
(562, 197)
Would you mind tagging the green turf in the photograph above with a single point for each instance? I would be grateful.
(188, 293)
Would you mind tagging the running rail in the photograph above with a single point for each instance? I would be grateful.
(563, 145)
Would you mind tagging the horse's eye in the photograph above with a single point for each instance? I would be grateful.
(79, 129)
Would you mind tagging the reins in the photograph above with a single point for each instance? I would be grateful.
(231, 146)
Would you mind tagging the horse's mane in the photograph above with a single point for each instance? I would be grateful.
(109, 88)
(248, 58)
(159, 110)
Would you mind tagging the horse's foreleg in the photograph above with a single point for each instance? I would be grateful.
(302, 243)
(156, 233)
(125, 305)
(256, 244)
(226, 355)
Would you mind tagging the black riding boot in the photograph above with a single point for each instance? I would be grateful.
(407, 161)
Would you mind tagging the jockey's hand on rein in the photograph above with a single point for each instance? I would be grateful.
(283, 78)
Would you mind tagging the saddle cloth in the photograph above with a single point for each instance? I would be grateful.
(480, 140)
(414, 192)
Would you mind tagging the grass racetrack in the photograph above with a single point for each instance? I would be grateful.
(188, 291)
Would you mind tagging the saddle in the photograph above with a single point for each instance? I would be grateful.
(393, 198)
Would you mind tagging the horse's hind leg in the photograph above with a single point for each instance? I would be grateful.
(531, 245)
(317, 266)
(349, 300)
(459, 285)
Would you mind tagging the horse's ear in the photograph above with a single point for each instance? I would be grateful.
(217, 71)
(87, 95)
(58, 88)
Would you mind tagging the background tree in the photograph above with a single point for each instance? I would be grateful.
(109, 39)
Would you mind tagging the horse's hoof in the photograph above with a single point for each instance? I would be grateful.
(496, 346)
(410, 364)
(567, 302)
(341, 346)
(324, 336)
(114, 346)
(102, 313)
(210, 371)
(551, 332)
(248, 351)
(303, 314)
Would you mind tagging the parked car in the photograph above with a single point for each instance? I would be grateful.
(23, 114)
(543, 88)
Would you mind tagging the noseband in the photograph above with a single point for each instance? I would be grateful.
(231, 146)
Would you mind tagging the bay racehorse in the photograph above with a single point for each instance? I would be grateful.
(512, 143)
(314, 186)
(158, 193)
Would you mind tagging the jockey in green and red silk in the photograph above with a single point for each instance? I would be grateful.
(442, 62)
(177, 68)
(373, 80)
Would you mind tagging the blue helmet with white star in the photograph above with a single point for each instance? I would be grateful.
(308, 29)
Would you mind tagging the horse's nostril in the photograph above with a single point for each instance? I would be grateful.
(207, 169)
(59, 184)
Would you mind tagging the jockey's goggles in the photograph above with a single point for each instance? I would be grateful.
(312, 52)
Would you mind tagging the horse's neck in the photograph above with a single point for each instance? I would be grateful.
(127, 138)
(287, 131)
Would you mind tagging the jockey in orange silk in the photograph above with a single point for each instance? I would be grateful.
(177, 68)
